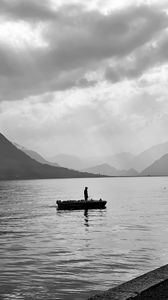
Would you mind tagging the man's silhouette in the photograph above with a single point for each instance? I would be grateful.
(86, 193)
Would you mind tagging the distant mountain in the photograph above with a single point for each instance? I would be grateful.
(68, 161)
(105, 169)
(158, 168)
(146, 158)
(15, 164)
(120, 161)
(126, 160)
(35, 155)
(39, 158)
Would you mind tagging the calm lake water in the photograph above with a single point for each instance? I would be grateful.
(46, 254)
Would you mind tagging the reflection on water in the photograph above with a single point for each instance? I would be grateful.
(86, 218)
(50, 254)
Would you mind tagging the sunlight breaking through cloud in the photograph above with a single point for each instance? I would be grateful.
(21, 35)
(93, 70)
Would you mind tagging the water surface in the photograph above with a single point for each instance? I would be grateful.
(46, 254)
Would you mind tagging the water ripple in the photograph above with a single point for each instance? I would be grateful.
(50, 254)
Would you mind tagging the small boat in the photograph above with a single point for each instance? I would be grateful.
(80, 204)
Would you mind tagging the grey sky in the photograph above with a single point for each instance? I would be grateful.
(84, 77)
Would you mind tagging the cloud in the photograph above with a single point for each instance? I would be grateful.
(75, 41)
(145, 105)
(60, 127)
(142, 61)
(94, 121)
(99, 37)
(29, 10)
(150, 56)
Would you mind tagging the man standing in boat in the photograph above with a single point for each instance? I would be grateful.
(86, 193)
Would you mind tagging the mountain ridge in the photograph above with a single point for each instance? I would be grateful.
(120, 161)
(35, 155)
(106, 169)
(23, 163)
(15, 164)
(149, 156)
(158, 168)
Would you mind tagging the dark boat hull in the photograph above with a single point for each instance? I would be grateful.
(81, 204)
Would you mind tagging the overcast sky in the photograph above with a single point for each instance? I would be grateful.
(85, 77)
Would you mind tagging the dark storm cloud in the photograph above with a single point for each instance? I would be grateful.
(33, 10)
(90, 37)
(78, 41)
(132, 68)
(148, 57)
